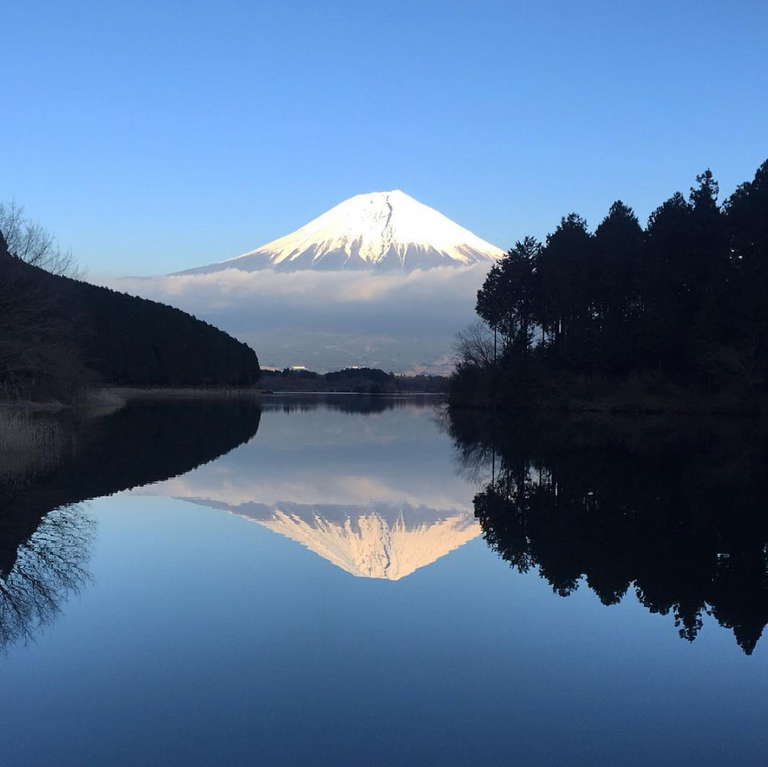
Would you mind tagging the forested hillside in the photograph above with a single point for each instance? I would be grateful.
(58, 335)
(678, 309)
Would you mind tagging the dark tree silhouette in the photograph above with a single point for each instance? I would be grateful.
(617, 296)
(39, 343)
(507, 300)
(680, 306)
(28, 241)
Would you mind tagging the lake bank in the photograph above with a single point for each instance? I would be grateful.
(173, 392)
(635, 395)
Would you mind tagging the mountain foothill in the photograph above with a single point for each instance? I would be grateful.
(59, 336)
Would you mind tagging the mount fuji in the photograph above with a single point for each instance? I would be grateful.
(378, 281)
(381, 231)
(384, 541)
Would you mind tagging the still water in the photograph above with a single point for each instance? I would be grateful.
(357, 581)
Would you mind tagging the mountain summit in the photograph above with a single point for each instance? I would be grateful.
(382, 231)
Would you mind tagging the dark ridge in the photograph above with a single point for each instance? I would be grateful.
(57, 335)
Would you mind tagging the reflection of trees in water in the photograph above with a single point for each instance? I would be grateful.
(29, 442)
(50, 566)
(679, 515)
(345, 403)
(50, 463)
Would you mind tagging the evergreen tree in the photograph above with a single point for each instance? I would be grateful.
(617, 303)
(507, 300)
(564, 269)
(684, 302)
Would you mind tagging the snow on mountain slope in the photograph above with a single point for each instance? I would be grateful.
(385, 541)
(382, 231)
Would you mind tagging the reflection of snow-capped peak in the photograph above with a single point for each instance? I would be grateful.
(382, 230)
(387, 541)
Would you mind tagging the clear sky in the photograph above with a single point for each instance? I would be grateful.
(154, 135)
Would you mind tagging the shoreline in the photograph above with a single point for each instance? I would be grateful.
(188, 391)
(110, 397)
(636, 395)
(711, 409)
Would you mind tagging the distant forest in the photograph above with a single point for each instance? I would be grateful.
(673, 314)
(59, 335)
(358, 380)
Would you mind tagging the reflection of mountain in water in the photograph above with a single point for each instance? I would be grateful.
(387, 541)
(50, 463)
(674, 510)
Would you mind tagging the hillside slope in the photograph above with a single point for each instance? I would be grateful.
(56, 332)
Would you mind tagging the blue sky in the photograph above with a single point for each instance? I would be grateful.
(153, 136)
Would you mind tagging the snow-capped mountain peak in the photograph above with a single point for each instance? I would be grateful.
(381, 230)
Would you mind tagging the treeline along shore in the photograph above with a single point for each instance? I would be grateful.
(351, 380)
(60, 336)
(670, 317)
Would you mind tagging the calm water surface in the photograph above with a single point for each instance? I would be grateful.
(352, 582)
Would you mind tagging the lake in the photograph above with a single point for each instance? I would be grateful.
(362, 581)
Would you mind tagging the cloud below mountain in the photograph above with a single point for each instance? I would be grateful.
(401, 321)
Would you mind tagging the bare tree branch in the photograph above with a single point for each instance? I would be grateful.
(474, 346)
(30, 242)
